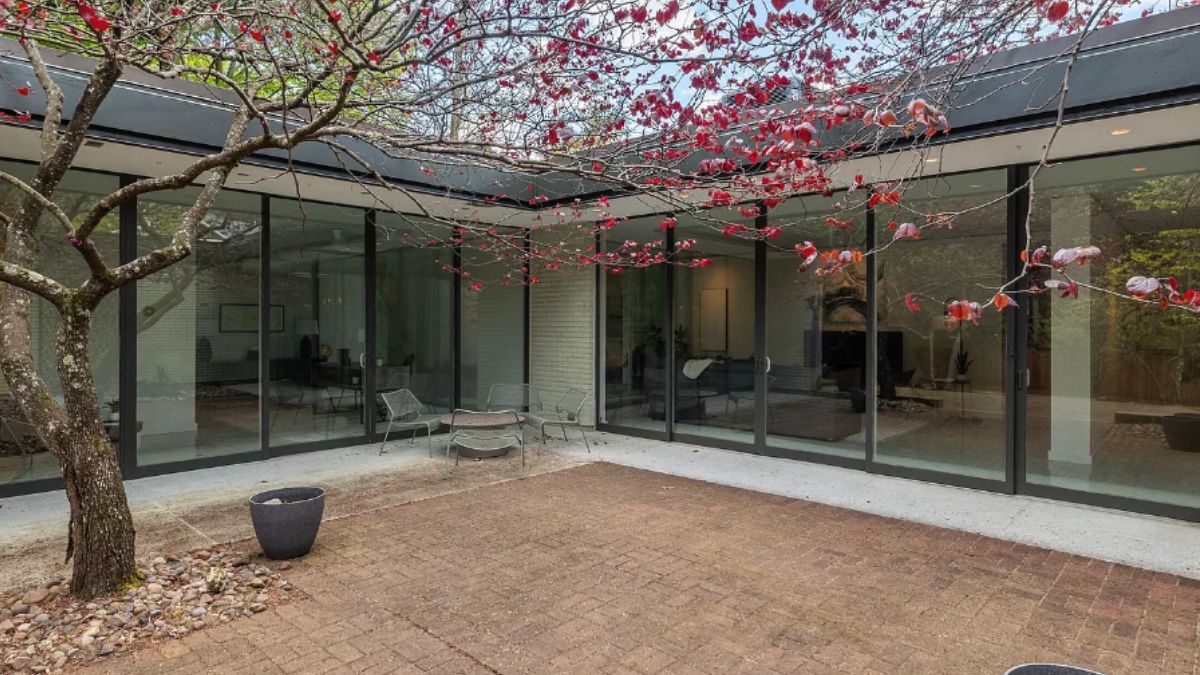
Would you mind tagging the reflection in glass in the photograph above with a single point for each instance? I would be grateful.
(318, 329)
(635, 344)
(816, 335)
(493, 315)
(1114, 392)
(22, 456)
(197, 332)
(414, 291)
(941, 382)
(714, 329)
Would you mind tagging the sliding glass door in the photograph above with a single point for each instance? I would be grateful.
(816, 334)
(941, 382)
(714, 329)
(1114, 386)
(316, 323)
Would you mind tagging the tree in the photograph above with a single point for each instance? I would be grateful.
(702, 105)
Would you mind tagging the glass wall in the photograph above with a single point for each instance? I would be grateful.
(714, 328)
(1114, 391)
(414, 311)
(492, 321)
(317, 323)
(634, 354)
(941, 381)
(197, 328)
(816, 334)
(22, 456)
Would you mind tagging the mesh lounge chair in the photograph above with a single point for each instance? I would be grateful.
(513, 397)
(566, 413)
(405, 411)
(504, 432)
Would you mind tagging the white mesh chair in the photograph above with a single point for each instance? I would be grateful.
(485, 432)
(520, 397)
(566, 413)
(405, 411)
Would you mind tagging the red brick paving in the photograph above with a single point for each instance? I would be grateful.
(612, 570)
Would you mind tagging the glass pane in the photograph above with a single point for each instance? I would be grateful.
(816, 334)
(941, 382)
(197, 332)
(22, 456)
(635, 345)
(493, 315)
(1114, 392)
(714, 327)
(414, 307)
(318, 333)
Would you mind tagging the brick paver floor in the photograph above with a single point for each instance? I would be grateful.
(606, 569)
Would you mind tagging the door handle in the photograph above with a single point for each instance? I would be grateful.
(768, 368)
(362, 360)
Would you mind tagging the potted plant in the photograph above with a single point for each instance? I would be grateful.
(962, 364)
(286, 520)
(114, 409)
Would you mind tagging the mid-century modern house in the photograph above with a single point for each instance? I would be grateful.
(280, 330)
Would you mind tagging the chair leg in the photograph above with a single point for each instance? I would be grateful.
(383, 445)
(448, 444)
(429, 439)
(585, 439)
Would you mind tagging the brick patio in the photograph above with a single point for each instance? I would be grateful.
(606, 569)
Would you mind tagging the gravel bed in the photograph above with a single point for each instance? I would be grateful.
(45, 630)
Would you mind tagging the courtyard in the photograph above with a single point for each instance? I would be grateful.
(603, 568)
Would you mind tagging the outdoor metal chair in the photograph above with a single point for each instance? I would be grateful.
(405, 411)
(499, 429)
(566, 413)
(520, 397)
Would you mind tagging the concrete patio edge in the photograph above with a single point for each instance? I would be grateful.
(1149, 542)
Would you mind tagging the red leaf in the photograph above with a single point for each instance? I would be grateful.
(99, 23)
(911, 304)
(23, 91)
(779, 4)
(1057, 10)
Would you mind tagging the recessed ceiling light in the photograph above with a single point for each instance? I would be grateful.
(974, 185)
(1120, 132)
(1138, 169)
(931, 160)
(92, 143)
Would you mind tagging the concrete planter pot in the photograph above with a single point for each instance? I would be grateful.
(286, 520)
(1048, 669)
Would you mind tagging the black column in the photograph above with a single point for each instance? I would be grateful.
(1016, 332)
(762, 360)
(871, 345)
(369, 318)
(669, 329)
(528, 274)
(127, 440)
(264, 330)
(456, 308)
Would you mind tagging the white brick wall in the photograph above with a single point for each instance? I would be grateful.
(562, 315)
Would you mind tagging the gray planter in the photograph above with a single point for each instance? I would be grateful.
(287, 529)
(1048, 669)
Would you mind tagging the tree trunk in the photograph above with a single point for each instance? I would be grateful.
(101, 534)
